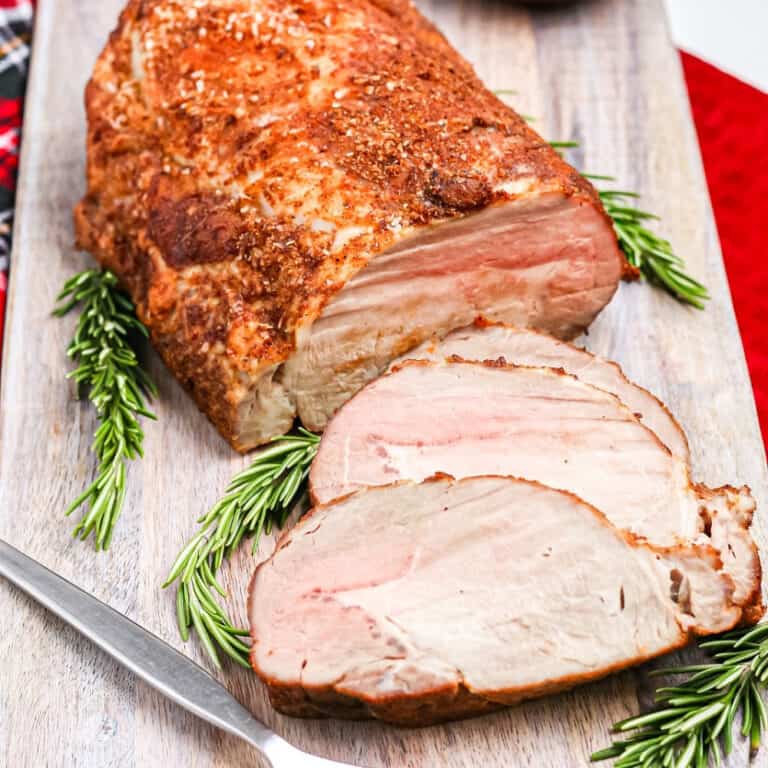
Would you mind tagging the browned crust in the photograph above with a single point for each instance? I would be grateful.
(753, 607)
(456, 701)
(223, 287)
(630, 273)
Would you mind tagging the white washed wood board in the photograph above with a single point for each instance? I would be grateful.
(603, 72)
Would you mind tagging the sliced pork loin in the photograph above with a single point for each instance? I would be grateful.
(468, 419)
(301, 194)
(415, 603)
(485, 340)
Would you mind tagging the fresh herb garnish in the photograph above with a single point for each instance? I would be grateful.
(646, 250)
(257, 499)
(108, 369)
(695, 719)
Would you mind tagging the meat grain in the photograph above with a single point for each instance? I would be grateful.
(484, 340)
(415, 603)
(541, 424)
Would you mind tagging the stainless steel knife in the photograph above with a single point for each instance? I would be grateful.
(151, 659)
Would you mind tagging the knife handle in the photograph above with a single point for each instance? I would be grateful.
(149, 657)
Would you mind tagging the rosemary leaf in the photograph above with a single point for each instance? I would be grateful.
(108, 369)
(649, 252)
(257, 498)
(694, 722)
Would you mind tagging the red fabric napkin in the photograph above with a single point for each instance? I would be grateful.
(732, 123)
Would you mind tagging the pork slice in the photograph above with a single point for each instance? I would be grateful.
(468, 419)
(415, 603)
(484, 340)
(299, 195)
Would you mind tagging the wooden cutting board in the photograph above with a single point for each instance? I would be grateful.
(603, 72)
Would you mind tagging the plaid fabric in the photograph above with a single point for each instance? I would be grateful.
(15, 35)
(729, 159)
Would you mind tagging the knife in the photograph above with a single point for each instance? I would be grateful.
(148, 657)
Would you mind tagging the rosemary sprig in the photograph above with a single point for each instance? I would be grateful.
(695, 719)
(107, 367)
(257, 499)
(646, 250)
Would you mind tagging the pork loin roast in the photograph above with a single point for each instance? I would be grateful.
(499, 341)
(541, 424)
(414, 603)
(296, 193)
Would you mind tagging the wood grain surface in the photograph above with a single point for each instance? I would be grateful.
(603, 72)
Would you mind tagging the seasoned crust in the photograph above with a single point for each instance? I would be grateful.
(245, 160)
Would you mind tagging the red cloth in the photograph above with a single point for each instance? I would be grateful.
(732, 122)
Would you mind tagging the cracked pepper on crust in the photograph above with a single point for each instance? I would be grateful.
(246, 160)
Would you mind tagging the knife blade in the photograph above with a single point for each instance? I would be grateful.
(150, 658)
